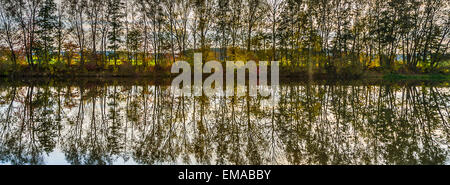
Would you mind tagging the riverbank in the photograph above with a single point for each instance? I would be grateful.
(165, 81)
(434, 76)
(166, 74)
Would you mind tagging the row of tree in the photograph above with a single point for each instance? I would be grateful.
(299, 33)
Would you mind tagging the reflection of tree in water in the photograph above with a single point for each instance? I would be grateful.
(28, 126)
(311, 124)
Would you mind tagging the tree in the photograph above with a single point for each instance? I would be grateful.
(25, 13)
(8, 28)
(202, 13)
(93, 12)
(222, 26)
(47, 23)
(134, 42)
(76, 11)
(115, 24)
(329, 35)
(274, 14)
(255, 13)
(60, 31)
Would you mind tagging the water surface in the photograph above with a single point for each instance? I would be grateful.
(130, 122)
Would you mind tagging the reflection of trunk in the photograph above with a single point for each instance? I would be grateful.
(235, 133)
(144, 99)
(273, 133)
(80, 116)
(58, 116)
(171, 118)
(30, 101)
(93, 125)
(183, 113)
(435, 93)
(251, 148)
(103, 103)
(154, 111)
(114, 106)
(8, 111)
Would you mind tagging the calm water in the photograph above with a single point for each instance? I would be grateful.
(142, 123)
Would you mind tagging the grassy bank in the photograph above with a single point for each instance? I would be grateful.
(297, 76)
(128, 71)
(434, 76)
